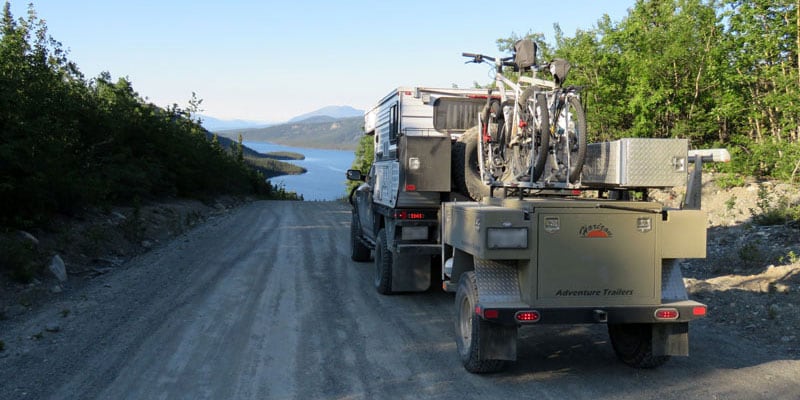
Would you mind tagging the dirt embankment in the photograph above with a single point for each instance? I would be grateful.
(93, 243)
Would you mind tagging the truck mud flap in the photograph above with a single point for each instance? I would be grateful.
(411, 272)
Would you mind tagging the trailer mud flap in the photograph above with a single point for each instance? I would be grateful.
(499, 343)
(498, 284)
(671, 339)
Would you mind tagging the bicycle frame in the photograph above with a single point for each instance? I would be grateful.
(497, 168)
(501, 81)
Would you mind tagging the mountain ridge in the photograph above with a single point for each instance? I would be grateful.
(337, 134)
(220, 124)
(335, 112)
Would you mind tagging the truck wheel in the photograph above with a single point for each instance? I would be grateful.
(358, 251)
(470, 327)
(383, 265)
(633, 345)
(466, 170)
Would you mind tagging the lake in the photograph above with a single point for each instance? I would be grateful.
(325, 179)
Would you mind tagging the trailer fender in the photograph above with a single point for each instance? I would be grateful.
(498, 281)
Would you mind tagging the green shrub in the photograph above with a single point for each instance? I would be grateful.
(19, 259)
(791, 257)
(730, 203)
(750, 252)
(772, 209)
(729, 180)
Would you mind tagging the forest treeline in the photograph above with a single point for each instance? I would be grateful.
(67, 142)
(721, 73)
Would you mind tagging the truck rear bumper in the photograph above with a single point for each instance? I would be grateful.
(419, 249)
(678, 311)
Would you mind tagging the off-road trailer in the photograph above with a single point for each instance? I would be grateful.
(605, 256)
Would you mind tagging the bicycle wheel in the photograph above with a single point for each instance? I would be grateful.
(569, 129)
(531, 145)
(493, 139)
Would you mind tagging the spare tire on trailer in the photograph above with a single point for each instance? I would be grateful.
(465, 168)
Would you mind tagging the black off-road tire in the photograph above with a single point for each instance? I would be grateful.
(469, 328)
(358, 251)
(633, 345)
(383, 265)
(466, 169)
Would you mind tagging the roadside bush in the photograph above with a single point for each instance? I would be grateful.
(364, 156)
(773, 159)
(773, 210)
(18, 258)
(729, 180)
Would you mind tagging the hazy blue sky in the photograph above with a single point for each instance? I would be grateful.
(272, 60)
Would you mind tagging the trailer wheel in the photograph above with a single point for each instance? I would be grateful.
(358, 251)
(470, 327)
(383, 265)
(633, 345)
(466, 170)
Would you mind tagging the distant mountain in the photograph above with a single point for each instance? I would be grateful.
(340, 134)
(335, 112)
(216, 124)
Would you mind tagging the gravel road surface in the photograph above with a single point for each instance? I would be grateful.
(264, 303)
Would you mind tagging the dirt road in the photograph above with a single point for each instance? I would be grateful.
(264, 303)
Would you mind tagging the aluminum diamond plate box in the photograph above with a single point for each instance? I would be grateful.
(636, 163)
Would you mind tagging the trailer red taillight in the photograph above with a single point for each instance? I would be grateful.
(411, 188)
(487, 314)
(667, 313)
(699, 311)
(527, 316)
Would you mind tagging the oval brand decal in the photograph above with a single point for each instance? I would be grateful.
(595, 231)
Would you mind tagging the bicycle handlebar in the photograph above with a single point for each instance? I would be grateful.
(479, 58)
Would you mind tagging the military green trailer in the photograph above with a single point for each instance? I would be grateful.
(600, 253)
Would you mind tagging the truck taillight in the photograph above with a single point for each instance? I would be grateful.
(411, 188)
(405, 214)
(699, 311)
(527, 316)
(667, 313)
